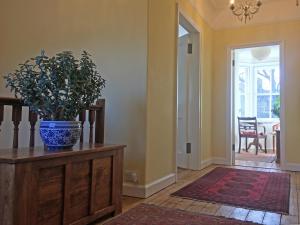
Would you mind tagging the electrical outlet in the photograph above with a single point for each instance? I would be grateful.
(131, 177)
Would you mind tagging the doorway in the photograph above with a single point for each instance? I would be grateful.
(188, 96)
(256, 105)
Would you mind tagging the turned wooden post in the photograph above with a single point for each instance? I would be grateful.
(91, 121)
(100, 117)
(95, 118)
(33, 117)
(82, 118)
(16, 118)
(1, 114)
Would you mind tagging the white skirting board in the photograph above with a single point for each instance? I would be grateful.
(215, 160)
(291, 167)
(145, 191)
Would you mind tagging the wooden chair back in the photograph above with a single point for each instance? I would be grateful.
(96, 114)
(247, 126)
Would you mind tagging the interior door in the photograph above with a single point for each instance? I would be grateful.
(184, 61)
(233, 108)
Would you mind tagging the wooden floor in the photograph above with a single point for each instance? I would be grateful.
(185, 177)
(257, 164)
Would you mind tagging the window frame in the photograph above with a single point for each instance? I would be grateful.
(251, 93)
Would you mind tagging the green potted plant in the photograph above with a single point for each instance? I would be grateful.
(276, 107)
(57, 88)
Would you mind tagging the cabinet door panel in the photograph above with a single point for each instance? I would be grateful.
(79, 190)
(49, 201)
(102, 181)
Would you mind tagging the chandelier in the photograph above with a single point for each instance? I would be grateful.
(245, 10)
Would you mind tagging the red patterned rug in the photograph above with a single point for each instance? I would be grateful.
(245, 188)
(145, 214)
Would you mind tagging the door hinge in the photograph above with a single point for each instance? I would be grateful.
(188, 148)
(190, 48)
(233, 62)
(233, 148)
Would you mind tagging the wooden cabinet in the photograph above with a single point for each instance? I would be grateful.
(78, 186)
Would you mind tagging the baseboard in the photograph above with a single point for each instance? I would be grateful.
(291, 167)
(206, 163)
(220, 161)
(145, 191)
(214, 160)
(133, 190)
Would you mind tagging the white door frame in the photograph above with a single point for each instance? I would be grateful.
(230, 100)
(187, 22)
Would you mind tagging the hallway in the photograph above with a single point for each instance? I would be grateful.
(185, 177)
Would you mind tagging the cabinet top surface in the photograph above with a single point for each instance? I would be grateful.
(39, 153)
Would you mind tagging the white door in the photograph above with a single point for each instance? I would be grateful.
(233, 108)
(184, 61)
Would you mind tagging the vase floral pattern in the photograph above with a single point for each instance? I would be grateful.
(60, 134)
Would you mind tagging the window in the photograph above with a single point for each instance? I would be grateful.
(268, 89)
(258, 88)
(243, 80)
(182, 31)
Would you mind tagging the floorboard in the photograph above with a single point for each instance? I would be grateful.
(185, 177)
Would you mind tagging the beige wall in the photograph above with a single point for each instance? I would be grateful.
(161, 104)
(289, 34)
(161, 89)
(114, 32)
(133, 43)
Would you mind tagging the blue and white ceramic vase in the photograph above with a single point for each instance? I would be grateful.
(60, 134)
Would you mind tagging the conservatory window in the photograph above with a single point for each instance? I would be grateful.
(258, 90)
(268, 90)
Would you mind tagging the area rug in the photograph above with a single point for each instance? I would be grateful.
(261, 157)
(265, 191)
(145, 214)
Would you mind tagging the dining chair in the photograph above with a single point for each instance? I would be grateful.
(248, 128)
(274, 128)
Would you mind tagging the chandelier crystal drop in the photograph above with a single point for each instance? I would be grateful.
(245, 9)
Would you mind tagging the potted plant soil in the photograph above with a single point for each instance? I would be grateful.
(57, 88)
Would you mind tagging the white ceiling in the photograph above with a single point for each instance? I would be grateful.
(219, 16)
